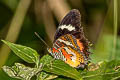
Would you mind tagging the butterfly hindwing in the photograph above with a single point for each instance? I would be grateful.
(66, 49)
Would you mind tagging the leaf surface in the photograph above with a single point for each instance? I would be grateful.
(26, 53)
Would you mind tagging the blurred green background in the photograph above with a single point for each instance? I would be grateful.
(19, 19)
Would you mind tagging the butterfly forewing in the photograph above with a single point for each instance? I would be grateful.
(69, 24)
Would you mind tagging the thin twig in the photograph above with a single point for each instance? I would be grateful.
(115, 29)
(15, 28)
(59, 7)
(48, 20)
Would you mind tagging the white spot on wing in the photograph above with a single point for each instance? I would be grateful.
(68, 27)
(66, 42)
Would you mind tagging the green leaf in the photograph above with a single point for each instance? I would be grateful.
(106, 71)
(20, 71)
(59, 67)
(45, 60)
(45, 76)
(26, 53)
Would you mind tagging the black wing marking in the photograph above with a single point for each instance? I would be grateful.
(71, 24)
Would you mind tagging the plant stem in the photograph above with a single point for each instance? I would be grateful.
(14, 28)
(115, 29)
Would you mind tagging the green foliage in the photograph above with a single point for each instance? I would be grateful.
(27, 54)
(47, 68)
(59, 67)
(104, 49)
(45, 76)
(103, 71)
(20, 71)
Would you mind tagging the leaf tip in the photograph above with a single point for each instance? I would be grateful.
(3, 41)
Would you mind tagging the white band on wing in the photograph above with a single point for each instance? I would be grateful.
(68, 27)
(65, 42)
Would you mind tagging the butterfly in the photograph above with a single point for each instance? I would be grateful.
(70, 44)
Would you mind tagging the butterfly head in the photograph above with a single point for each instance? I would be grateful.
(49, 50)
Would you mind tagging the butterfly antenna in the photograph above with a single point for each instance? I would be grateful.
(41, 39)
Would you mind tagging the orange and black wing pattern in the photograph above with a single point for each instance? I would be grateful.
(70, 44)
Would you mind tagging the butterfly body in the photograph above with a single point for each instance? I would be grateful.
(69, 44)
